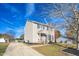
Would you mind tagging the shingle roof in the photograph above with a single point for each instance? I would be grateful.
(38, 23)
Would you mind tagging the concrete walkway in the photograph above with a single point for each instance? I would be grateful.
(20, 49)
(38, 45)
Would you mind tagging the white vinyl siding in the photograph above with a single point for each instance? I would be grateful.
(28, 32)
(41, 27)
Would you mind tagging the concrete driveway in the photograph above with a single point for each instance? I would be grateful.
(20, 49)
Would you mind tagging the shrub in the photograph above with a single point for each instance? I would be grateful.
(60, 41)
(65, 42)
(50, 42)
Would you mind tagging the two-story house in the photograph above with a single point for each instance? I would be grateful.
(36, 32)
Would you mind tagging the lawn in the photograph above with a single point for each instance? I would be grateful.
(3, 47)
(51, 50)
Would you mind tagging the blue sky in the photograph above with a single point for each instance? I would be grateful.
(13, 16)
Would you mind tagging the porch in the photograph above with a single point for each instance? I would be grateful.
(45, 37)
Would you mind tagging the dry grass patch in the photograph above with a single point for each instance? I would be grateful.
(51, 50)
(3, 47)
(54, 49)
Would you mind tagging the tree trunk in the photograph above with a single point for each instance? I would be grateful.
(78, 38)
(78, 41)
(55, 40)
(78, 46)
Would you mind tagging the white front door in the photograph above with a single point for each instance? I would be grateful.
(44, 39)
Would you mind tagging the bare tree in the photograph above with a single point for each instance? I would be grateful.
(11, 35)
(22, 37)
(68, 12)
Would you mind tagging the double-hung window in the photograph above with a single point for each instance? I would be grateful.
(38, 26)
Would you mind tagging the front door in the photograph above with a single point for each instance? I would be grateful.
(44, 38)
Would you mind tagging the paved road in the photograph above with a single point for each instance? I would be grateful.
(20, 49)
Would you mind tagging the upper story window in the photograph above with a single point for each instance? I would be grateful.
(43, 27)
(47, 28)
(38, 26)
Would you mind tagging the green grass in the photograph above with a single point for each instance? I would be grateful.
(3, 47)
(51, 50)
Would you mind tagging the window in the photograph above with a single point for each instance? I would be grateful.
(47, 28)
(38, 26)
(43, 27)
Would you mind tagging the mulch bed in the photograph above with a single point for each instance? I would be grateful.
(72, 51)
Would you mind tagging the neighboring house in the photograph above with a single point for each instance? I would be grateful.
(7, 40)
(65, 40)
(36, 32)
(69, 41)
(2, 40)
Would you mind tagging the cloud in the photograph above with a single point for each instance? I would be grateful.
(29, 9)
(5, 20)
(10, 24)
(16, 32)
(19, 31)
(11, 8)
(8, 28)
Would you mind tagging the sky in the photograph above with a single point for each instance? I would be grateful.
(13, 16)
